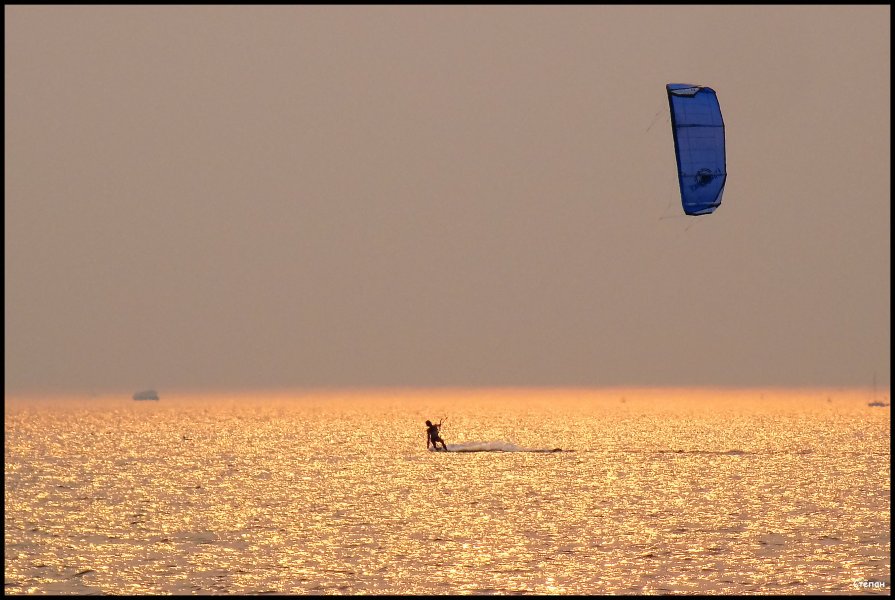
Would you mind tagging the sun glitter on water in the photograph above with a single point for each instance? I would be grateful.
(661, 491)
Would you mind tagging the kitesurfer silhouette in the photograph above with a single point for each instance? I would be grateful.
(432, 436)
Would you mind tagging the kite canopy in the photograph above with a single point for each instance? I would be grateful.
(698, 146)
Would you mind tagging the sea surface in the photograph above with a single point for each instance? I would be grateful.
(334, 492)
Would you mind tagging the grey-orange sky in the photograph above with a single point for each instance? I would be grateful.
(261, 197)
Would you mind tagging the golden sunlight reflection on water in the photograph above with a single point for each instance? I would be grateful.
(663, 491)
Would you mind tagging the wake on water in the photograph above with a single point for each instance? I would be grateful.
(493, 447)
(500, 446)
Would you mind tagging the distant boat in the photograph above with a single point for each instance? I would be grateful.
(146, 395)
(876, 402)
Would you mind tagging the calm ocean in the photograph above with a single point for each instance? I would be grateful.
(675, 491)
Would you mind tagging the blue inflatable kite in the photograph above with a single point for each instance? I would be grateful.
(698, 146)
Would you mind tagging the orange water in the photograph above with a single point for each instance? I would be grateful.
(712, 491)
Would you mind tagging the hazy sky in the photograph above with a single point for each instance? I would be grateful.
(261, 197)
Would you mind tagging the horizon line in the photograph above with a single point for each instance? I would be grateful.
(299, 390)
